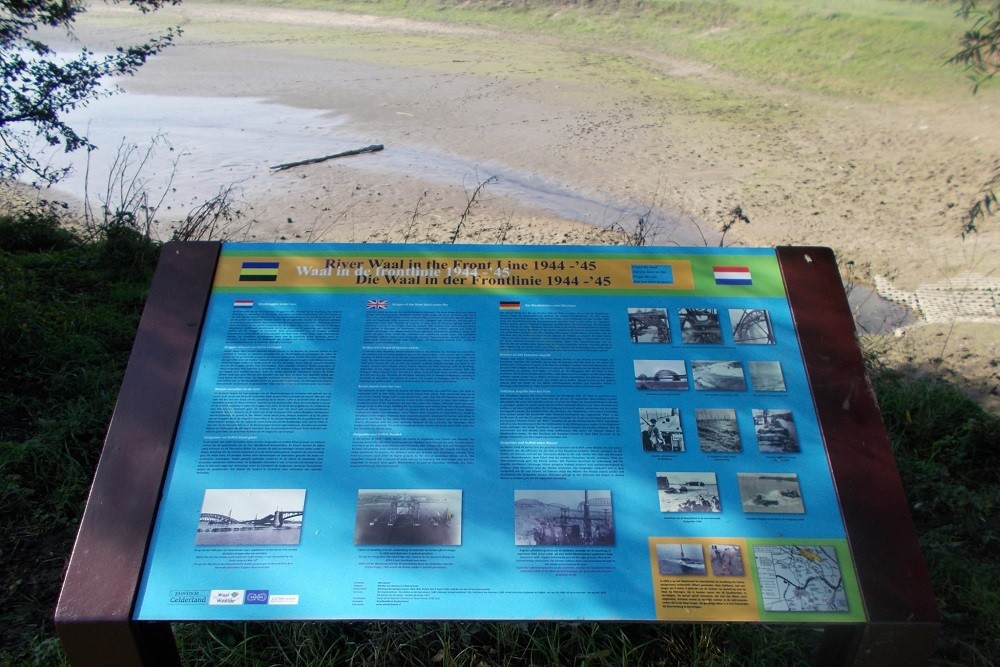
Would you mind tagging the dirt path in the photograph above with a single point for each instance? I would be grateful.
(884, 184)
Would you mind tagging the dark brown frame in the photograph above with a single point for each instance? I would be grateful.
(903, 620)
(94, 613)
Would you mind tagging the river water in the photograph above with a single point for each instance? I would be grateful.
(210, 143)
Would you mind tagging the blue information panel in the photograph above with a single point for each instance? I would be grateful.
(499, 432)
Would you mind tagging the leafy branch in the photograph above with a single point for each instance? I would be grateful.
(980, 54)
(39, 86)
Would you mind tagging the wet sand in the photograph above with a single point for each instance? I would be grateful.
(581, 139)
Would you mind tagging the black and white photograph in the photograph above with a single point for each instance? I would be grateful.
(661, 429)
(688, 492)
(700, 325)
(409, 516)
(718, 375)
(648, 325)
(250, 517)
(775, 431)
(718, 430)
(678, 559)
(751, 326)
(563, 518)
(766, 376)
(656, 374)
(727, 560)
(770, 492)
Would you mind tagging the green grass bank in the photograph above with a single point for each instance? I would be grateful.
(887, 50)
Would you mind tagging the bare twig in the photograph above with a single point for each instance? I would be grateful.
(413, 219)
(126, 201)
(212, 219)
(469, 205)
(317, 234)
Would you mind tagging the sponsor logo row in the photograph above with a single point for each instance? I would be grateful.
(230, 597)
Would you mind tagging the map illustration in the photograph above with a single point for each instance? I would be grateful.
(800, 578)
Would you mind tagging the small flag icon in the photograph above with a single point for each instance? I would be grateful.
(732, 275)
(243, 303)
(377, 304)
(510, 305)
(259, 271)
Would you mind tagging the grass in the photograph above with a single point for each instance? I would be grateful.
(495, 644)
(948, 453)
(69, 311)
(889, 50)
(881, 50)
(68, 314)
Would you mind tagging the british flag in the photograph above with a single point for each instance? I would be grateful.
(378, 304)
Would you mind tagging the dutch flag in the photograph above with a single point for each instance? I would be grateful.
(732, 275)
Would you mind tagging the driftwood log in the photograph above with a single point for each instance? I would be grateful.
(374, 148)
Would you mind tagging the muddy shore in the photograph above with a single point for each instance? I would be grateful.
(614, 134)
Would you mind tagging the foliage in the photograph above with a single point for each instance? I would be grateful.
(38, 86)
(68, 314)
(980, 54)
(947, 451)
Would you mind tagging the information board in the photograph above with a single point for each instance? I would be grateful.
(499, 432)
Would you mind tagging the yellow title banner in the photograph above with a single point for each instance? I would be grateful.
(395, 272)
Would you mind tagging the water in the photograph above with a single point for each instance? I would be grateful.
(210, 143)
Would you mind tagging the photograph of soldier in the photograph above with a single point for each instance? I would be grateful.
(718, 430)
(563, 518)
(648, 325)
(727, 560)
(775, 431)
(766, 376)
(700, 325)
(776, 493)
(688, 492)
(718, 375)
(661, 429)
(409, 516)
(678, 559)
(751, 326)
(670, 374)
(245, 517)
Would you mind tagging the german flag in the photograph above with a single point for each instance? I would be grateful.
(259, 272)
(510, 305)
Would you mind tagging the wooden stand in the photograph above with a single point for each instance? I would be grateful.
(94, 613)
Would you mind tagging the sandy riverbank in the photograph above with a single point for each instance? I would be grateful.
(623, 130)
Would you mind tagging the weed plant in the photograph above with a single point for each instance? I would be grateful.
(69, 308)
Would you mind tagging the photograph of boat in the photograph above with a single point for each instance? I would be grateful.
(679, 559)
(774, 493)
